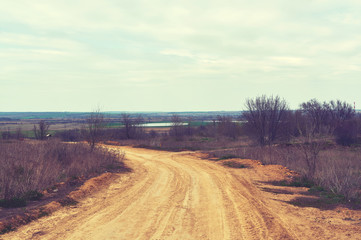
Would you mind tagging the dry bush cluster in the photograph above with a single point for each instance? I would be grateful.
(36, 165)
(337, 169)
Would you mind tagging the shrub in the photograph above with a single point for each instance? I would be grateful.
(338, 168)
(227, 156)
(12, 202)
(346, 133)
(28, 167)
(234, 164)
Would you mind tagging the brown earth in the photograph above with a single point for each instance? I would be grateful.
(181, 196)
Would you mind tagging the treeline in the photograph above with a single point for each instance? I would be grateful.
(270, 119)
(266, 120)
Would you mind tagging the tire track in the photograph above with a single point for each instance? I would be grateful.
(171, 196)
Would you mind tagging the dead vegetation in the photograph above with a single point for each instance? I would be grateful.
(28, 167)
(334, 168)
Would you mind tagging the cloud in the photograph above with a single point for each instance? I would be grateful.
(176, 52)
(157, 45)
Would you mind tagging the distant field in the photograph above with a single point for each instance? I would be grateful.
(12, 121)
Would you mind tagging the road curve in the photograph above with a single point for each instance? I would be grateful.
(171, 196)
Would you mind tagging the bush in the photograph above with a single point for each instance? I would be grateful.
(233, 164)
(227, 156)
(12, 202)
(346, 133)
(338, 168)
(71, 135)
(29, 167)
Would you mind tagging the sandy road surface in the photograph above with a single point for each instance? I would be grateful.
(179, 196)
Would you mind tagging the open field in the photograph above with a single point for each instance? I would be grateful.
(12, 122)
(181, 196)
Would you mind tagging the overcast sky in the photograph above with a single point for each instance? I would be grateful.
(176, 55)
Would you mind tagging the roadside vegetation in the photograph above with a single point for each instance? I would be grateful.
(29, 167)
(319, 140)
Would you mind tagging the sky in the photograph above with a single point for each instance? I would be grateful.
(118, 55)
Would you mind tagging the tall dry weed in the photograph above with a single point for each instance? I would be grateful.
(337, 169)
(28, 166)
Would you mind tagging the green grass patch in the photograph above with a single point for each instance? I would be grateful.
(68, 202)
(6, 229)
(316, 189)
(33, 195)
(13, 202)
(17, 202)
(114, 125)
(234, 164)
(298, 182)
(228, 156)
(332, 198)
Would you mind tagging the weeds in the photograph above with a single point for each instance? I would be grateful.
(234, 164)
(29, 167)
(68, 202)
(228, 156)
(14, 202)
(6, 229)
(335, 169)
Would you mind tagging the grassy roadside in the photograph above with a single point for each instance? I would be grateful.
(34, 173)
(335, 169)
(30, 167)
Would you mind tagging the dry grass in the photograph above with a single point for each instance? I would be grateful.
(191, 143)
(337, 169)
(33, 166)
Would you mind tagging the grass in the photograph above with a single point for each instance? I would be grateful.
(233, 164)
(7, 228)
(297, 182)
(68, 202)
(337, 168)
(228, 156)
(28, 167)
(14, 202)
(33, 195)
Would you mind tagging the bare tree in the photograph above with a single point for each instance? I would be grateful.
(132, 126)
(177, 128)
(310, 152)
(95, 125)
(127, 123)
(41, 131)
(339, 112)
(265, 115)
(18, 133)
(227, 127)
(324, 118)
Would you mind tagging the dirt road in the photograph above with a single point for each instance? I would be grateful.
(179, 196)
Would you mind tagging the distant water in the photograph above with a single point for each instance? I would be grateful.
(164, 124)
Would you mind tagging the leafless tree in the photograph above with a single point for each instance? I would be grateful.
(94, 125)
(339, 112)
(6, 134)
(324, 118)
(132, 126)
(127, 123)
(227, 127)
(177, 128)
(265, 115)
(310, 151)
(18, 133)
(317, 114)
(41, 130)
